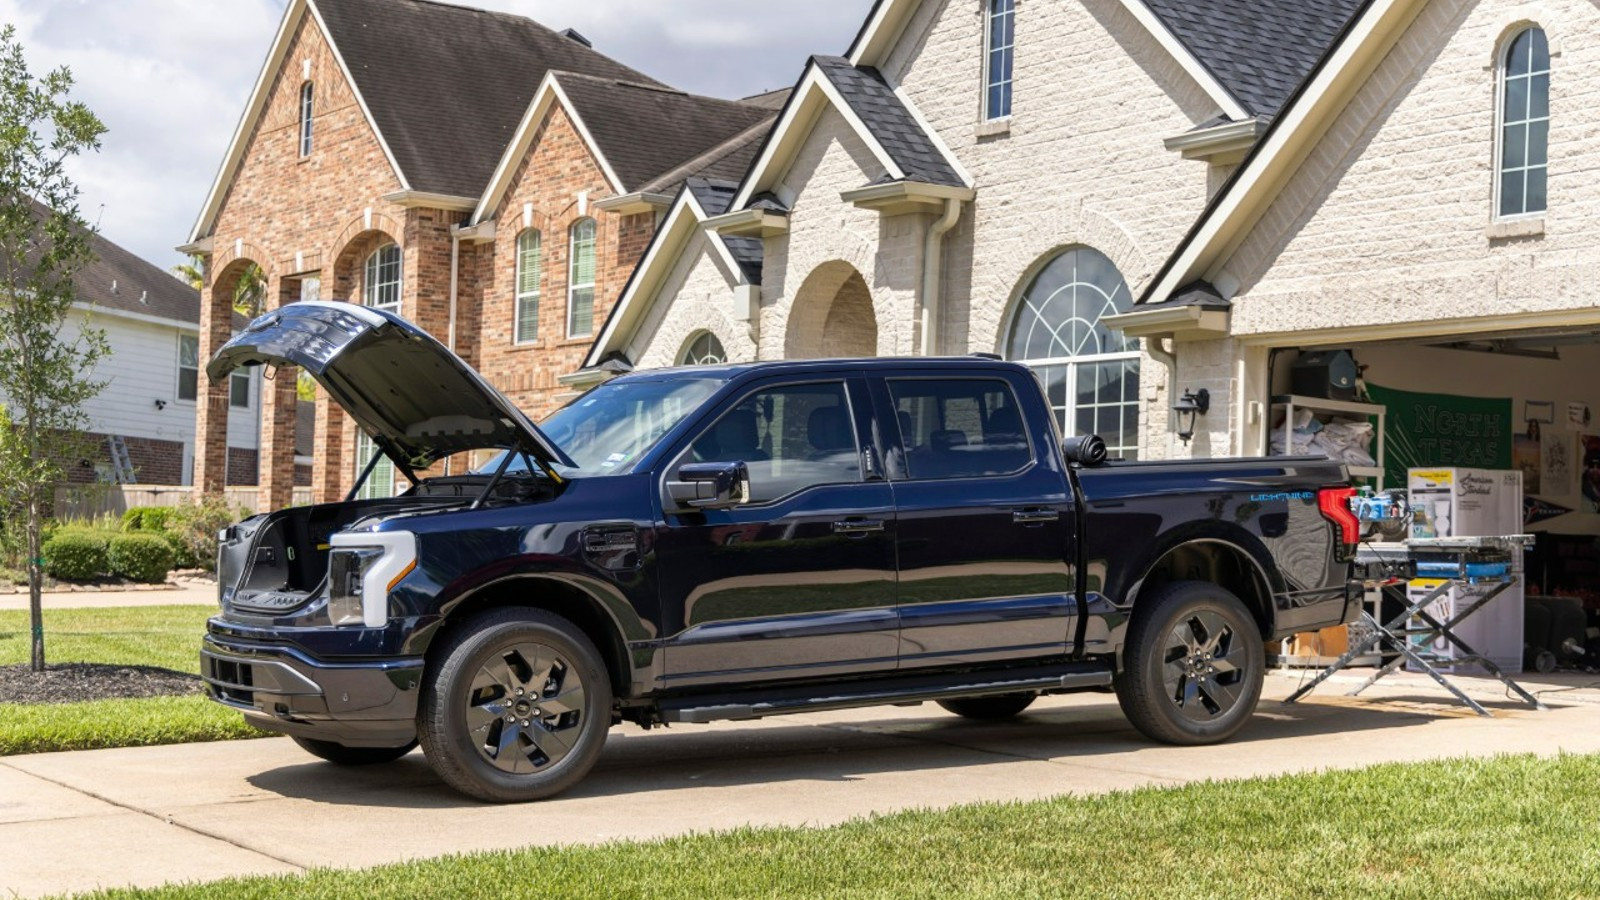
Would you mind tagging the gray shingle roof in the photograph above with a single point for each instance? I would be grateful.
(890, 122)
(646, 131)
(447, 85)
(1259, 50)
(116, 279)
(715, 196)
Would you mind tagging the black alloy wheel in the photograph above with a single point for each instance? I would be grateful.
(517, 707)
(1193, 664)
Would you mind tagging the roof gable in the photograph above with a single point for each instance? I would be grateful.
(885, 120)
(1304, 120)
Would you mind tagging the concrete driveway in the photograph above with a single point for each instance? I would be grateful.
(145, 816)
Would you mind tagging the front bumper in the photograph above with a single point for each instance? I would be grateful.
(368, 704)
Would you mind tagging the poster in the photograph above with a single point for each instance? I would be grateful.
(1589, 473)
(1432, 430)
(1526, 450)
(1557, 476)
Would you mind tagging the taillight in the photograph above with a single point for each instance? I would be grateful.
(1334, 502)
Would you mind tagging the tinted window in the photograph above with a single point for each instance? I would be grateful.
(791, 437)
(959, 428)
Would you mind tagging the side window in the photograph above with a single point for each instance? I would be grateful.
(959, 427)
(791, 437)
(188, 366)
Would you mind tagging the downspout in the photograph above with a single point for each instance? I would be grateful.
(932, 259)
(1156, 346)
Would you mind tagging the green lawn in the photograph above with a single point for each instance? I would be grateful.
(164, 636)
(1510, 827)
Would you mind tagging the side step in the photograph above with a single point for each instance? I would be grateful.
(881, 693)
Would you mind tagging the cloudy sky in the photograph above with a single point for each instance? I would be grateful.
(171, 77)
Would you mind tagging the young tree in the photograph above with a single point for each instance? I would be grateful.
(45, 362)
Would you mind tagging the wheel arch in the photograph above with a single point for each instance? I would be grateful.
(551, 593)
(1219, 560)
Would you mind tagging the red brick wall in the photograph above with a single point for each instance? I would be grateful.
(242, 468)
(154, 461)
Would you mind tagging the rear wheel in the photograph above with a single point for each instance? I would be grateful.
(1193, 664)
(516, 708)
(342, 755)
(996, 706)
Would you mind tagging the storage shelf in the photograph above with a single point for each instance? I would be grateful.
(1290, 402)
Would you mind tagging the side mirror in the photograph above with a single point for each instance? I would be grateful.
(710, 485)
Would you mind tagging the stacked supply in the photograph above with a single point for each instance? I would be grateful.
(1345, 440)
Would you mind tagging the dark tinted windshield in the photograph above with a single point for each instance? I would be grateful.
(610, 427)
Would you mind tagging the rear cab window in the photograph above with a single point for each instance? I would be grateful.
(968, 427)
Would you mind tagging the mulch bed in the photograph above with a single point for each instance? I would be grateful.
(72, 682)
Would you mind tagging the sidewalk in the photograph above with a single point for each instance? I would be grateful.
(201, 812)
(188, 594)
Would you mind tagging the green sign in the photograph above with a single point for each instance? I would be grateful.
(1431, 430)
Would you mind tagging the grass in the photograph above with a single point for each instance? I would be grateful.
(1505, 827)
(164, 636)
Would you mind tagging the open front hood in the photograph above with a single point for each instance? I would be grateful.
(416, 399)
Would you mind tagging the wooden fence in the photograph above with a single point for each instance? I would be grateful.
(91, 500)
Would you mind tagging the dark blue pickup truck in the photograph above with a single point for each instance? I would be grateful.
(740, 541)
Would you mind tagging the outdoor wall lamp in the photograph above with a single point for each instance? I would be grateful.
(1188, 407)
(160, 405)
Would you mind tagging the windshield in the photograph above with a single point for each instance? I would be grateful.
(608, 428)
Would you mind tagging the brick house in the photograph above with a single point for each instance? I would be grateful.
(486, 177)
(992, 176)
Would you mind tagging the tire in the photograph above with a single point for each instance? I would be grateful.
(341, 755)
(516, 706)
(1193, 665)
(991, 708)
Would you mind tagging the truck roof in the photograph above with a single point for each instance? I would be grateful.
(730, 371)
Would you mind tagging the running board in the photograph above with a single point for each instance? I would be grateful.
(882, 694)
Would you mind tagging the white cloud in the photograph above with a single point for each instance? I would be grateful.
(171, 77)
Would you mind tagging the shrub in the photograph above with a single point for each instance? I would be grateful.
(182, 556)
(197, 524)
(146, 518)
(77, 555)
(141, 557)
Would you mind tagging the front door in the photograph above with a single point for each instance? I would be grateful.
(985, 529)
(798, 581)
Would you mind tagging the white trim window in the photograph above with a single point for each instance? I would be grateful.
(381, 281)
(188, 366)
(239, 390)
(1524, 146)
(530, 265)
(704, 350)
(580, 279)
(381, 483)
(999, 43)
(1089, 372)
(306, 107)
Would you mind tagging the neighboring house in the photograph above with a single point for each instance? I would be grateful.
(142, 422)
(980, 176)
(484, 176)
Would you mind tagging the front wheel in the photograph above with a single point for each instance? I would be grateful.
(1193, 665)
(342, 755)
(516, 707)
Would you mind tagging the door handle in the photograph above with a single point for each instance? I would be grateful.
(857, 527)
(1034, 516)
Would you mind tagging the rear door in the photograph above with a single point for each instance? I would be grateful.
(984, 519)
(799, 582)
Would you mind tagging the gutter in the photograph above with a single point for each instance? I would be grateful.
(932, 258)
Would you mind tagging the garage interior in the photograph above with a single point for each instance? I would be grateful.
(1525, 401)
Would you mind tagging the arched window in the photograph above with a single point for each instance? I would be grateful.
(305, 119)
(704, 350)
(1090, 372)
(999, 43)
(530, 265)
(1524, 125)
(580, 280)
(381, 286)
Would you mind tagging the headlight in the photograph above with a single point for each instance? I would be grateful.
(362, 570)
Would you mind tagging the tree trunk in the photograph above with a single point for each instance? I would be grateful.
(35, 582)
